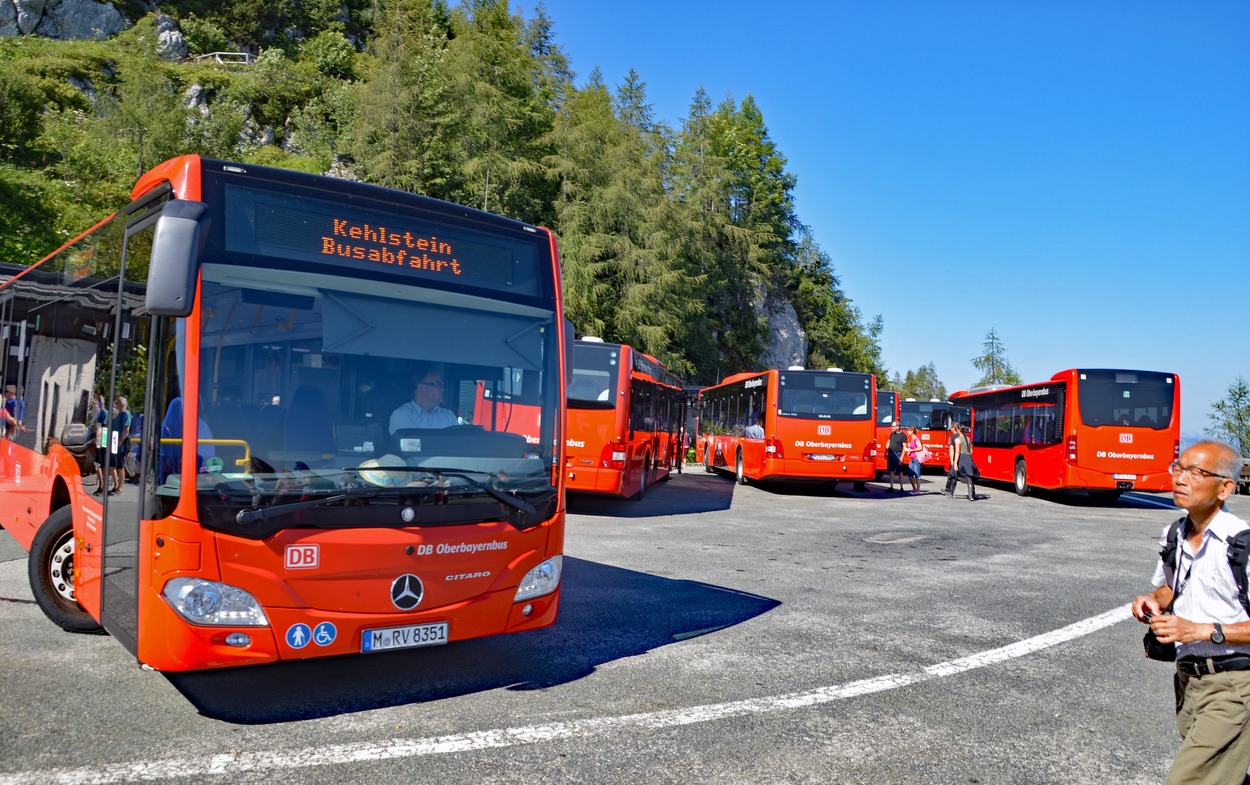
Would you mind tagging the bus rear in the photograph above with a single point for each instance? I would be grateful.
(824, 426)
(329, 460)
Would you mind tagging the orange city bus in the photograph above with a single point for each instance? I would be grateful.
(625, 417)
(887, 415)
(1103, 431)
(272, 326)
(932, 419)
(795, 424)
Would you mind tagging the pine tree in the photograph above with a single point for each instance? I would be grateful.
(403, 133)
(993, 364)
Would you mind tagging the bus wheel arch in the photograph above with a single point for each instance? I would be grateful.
(51, 571)
(1020, 477)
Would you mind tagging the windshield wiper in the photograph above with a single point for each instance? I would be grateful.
(254, 514)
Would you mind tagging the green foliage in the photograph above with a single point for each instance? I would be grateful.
(993, 364)
(331, 54)
(1230, 417)
(922, 384)
(202, 36)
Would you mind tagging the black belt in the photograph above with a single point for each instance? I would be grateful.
(1194, 666)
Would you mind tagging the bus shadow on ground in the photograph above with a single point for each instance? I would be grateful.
(606, 614)
(680, 494)
(1139, 500)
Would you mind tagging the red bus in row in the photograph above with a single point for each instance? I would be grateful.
(795, 424)
(330, 462)
(625, 420)
(1104, 431)
(932, 420)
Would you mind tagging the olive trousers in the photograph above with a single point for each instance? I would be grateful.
(1213, 715)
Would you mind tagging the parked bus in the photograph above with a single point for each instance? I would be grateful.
(887, 415)
(1104, 431)
(279, 329)
(791, 424)
(625, 416)
(932, 420)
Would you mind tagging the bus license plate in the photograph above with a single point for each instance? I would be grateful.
(820, 457)
(1124, 476)
(388, 638)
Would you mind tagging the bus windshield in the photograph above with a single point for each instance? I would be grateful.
(413, 406)
(824, 395)
(1134, 398)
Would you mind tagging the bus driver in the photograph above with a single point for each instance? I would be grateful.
(423, 411)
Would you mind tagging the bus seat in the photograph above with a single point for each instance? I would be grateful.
(307, 426)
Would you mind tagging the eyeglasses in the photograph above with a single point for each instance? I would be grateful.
(439, 385)
(1195, 473)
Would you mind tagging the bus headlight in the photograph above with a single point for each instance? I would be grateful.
(214, 604)
(543, 579)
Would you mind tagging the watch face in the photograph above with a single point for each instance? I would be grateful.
(1217, 635)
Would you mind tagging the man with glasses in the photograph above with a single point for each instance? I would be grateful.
(423, 411)
(1196, 607)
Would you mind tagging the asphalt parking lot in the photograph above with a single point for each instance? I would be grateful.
(708, 633)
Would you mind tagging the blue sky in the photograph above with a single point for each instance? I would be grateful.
(1075, 175)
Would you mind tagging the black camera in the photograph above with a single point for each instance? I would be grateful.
(1156, 650)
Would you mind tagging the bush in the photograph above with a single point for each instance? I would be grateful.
(331, 54)
(203, 37)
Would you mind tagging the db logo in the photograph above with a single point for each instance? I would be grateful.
(824, 430)
(302, 557)
(1126, 438)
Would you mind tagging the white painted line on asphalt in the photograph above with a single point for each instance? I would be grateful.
(340, 754)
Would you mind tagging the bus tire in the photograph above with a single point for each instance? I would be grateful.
(642, 481)
(707, 460)
(51, 571)
(1021, 479)
(738, 471)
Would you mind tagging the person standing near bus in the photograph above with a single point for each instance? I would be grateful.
(100, 427)
(1198, 607)
(894, 465)
(961, 464)
(119, 443)
(12, 413)
(911, 455)
(424, 411)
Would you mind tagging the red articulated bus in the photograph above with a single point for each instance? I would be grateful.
(1103, 431)
(887, 415)
(932, 420)
(794, 424)
(324, 467)
(625, 419)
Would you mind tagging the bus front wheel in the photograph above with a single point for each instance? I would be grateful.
(51, 571)
(1021, 479)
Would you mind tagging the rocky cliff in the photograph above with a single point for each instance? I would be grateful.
(62, 19)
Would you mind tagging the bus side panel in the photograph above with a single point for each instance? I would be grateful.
(26, 480)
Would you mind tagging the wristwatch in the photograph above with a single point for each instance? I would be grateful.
(1217, 635)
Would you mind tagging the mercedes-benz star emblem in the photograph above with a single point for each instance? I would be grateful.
(406, 592)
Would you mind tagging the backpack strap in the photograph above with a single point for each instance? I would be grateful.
(1238, 557)
(1168, 554)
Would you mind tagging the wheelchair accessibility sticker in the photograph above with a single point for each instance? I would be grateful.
(324, 633)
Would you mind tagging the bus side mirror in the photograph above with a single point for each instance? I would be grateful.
(568, 350)
(176, 245)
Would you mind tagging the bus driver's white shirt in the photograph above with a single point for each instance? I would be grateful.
(412, 416)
